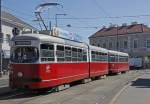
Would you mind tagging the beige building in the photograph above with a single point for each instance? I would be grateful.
(9, 22)
(133, 39)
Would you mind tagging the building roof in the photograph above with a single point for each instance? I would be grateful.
(121, 30)
(10, 18)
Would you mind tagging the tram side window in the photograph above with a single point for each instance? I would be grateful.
(116, 58)
(84, 55)
(93, 56)
(47, 52)
(127, 58)
(123, 58)
(60, 53)
(104, 57)
(67, 53)
(96, 56)
(112, 58)
(74, 54)
(99, 56)
(80, 54)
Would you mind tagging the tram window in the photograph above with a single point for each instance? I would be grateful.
(111, 58)
(99, 56)
(123, 58)
(60, 53)
(47, 52)
(80, 54)
(103, 56)
(127, 58)
(67, 53)
(93, 54)
(116, 58)
(74, 54)
(25, 55)
(84, 55)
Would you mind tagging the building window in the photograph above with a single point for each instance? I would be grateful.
(110, 45)
(148, 43)
(104, 45)
(135, 43)
(117, 45)
(125, 44)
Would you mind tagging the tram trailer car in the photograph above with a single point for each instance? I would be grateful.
(98, 61)
(118, 62)
(40, 61)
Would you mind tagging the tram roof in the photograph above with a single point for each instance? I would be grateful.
(123, 54)
(48, 38)
(98, 48)
(118, 53)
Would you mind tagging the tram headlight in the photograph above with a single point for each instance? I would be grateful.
(20, 74)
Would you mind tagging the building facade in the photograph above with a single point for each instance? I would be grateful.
(9, 22)
(133, 39)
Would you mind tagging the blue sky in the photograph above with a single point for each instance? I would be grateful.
(99, 9)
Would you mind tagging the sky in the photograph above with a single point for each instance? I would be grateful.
(85, 16)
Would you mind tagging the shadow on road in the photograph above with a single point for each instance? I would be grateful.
(16, 94)
(141, 83)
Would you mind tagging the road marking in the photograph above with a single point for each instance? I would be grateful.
(123, 89)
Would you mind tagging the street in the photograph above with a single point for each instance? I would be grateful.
(96, 92)
(137, 92)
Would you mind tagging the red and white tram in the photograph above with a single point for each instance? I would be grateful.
(118, 61)
(41, 61)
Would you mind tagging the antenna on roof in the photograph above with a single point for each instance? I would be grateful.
(124, 24)
(134, 23)
(112, 25)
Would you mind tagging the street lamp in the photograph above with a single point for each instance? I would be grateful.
(56, 18)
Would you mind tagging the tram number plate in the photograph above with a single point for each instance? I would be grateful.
(22, 43)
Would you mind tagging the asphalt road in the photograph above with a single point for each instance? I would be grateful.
(96, 92)
(138, 92)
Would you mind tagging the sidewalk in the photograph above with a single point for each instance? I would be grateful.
(4, 87)
(4, 77)
(136, 93)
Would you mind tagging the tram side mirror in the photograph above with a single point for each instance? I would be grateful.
(15, 31)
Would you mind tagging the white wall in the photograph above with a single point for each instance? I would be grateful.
(6, 30)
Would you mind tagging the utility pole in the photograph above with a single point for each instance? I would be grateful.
(117, 39)
(1, 35)
(56, 18)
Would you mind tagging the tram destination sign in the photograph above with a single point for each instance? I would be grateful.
(22, 42)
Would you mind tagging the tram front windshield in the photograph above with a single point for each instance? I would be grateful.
(25, 55)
